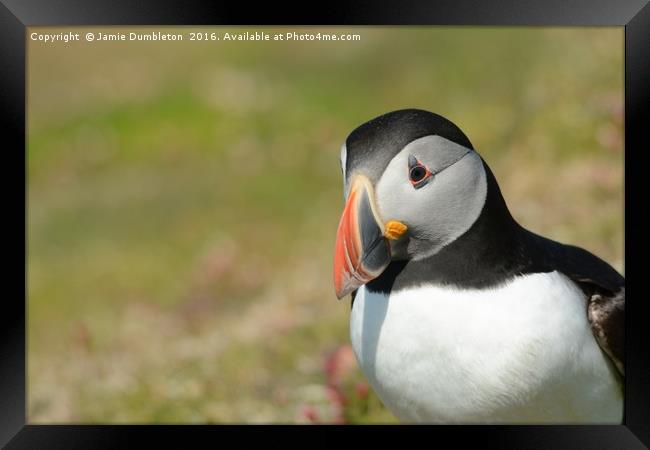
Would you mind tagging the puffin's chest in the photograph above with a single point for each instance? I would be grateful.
(519, 352)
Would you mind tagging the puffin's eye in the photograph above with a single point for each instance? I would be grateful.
(417, 173)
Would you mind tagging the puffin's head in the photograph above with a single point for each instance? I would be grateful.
(413, 184)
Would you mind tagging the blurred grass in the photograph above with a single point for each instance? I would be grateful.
(183, 200)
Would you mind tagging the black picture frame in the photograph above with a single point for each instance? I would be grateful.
(16, 15)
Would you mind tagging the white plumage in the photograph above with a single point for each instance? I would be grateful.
(521, 352)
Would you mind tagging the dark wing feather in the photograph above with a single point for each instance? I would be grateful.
(605, 290)
(607, 319)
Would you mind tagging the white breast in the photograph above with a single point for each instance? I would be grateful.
(522, 352)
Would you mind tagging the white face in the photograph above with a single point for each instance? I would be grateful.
(440, 207)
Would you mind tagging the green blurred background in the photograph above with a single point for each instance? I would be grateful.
(183, 199)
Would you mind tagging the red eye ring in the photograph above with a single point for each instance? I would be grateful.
(419, 174)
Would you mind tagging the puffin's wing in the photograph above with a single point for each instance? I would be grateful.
(607, 318)
(605, 290)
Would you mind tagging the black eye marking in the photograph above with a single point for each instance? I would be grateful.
(419, 174)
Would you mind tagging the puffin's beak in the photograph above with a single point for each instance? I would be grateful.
(362, 248)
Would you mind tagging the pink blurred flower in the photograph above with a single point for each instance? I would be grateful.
(309, 412)
(336, 396)
(338, 401)
(340, 363)
(362, 390)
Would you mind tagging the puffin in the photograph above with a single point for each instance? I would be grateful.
(460, 315)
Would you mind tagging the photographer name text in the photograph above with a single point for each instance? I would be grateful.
(256, 36)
